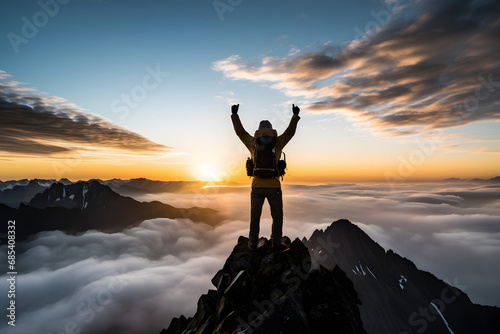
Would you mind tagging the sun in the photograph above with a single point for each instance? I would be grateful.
(211, 174)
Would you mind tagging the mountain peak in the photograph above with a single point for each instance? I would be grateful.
(263, 291)
(340, 224)
(79, 195)
(393, 290)
(344, 225)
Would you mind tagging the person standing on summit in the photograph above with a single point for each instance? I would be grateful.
(265, 148)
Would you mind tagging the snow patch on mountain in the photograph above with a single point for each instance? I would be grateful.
(362, 270)
(371, 272)
(402, 281)
(44, 184)
(9, 186)
(84, 192)
(442, 317)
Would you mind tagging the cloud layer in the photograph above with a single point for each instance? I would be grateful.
(450, 229)
(36, 124)
(128, 282)
(137, 280)
(421, 66)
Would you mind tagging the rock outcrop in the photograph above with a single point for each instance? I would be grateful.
(262, 291)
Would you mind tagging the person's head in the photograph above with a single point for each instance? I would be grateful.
(265, 125)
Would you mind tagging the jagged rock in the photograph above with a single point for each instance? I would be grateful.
(286, 241)
(240, 259)
(285, 315)
(206, 309)
(238, 290)
(207, 327)
(224, 308)
(262, 291)
(221, 281)
(176, 325)
(229, 324)
(300, 255)
(262, 242)
(330, 297)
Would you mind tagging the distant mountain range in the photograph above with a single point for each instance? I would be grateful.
(16, 192)
(81, 206)
(337, 281)
(13, 193)
(456, 179)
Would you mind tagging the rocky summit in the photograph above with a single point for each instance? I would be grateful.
(262, 291)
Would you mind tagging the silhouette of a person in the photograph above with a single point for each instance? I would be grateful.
(263, 188)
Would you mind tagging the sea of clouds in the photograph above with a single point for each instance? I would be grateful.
(137, 280)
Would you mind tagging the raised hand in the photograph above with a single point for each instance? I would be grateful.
(234, 108)
(295, 109)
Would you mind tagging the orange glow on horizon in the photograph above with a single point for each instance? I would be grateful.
(296, 174)
(14, 170)
(350, 167)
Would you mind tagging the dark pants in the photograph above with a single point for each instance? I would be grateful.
(275, 199)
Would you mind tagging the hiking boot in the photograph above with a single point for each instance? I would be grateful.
(252, 246)
(262, 242)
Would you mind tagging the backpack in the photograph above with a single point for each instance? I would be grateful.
(264, 163)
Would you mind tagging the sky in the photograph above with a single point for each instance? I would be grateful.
(388, 90)
(136, 280)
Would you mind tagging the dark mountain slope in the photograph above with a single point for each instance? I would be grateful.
(17, 192)
(396, 295)
(82, 206)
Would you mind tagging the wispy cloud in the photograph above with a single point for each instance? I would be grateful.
(228, 97)
(293, 51)
(433, 65)
(33, 123)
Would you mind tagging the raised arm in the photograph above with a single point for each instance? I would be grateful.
(285, 137)
(244, 136)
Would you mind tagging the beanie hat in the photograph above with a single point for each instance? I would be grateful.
(265, 125)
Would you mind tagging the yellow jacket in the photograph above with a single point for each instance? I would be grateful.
(249, 142)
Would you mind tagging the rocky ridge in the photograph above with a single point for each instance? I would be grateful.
(263, 291)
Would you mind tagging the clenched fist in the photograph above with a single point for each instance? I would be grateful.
(234, 108)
